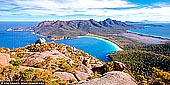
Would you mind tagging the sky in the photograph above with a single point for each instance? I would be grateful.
(122, 10)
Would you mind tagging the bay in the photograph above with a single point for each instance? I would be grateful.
(97, 47)
(94, 46)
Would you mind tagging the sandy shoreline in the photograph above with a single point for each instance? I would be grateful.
(144, 38)
(106, 39)
(113, 44)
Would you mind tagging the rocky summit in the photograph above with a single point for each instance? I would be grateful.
(57, 64)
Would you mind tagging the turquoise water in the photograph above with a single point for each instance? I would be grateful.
(162, 31)
(93, 46)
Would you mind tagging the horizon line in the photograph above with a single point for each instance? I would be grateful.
(78, 19)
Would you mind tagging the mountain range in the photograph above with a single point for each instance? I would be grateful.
(70, 29)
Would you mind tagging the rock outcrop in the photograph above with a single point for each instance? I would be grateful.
(81, 75)
(63, 63)
(4, 59)
(91, 63)
(40, 57)
(119, 66)
(65, 76)
(40, 41)
(110, 78)
(83, 72)
(84, 69)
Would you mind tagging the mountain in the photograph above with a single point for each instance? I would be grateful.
(70, 29)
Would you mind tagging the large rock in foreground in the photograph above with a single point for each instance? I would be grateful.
(4, 59)
(81, 75)
(83, 72)
(111, 78)
(65, 76)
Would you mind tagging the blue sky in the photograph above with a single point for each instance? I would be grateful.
(123, 10)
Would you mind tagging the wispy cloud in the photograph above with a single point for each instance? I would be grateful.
(116, 9)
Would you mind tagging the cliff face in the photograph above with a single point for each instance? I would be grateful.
(68, 29)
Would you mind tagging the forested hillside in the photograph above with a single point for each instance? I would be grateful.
(157, 48)
(143, 65)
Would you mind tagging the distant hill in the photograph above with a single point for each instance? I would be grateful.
(70, 29)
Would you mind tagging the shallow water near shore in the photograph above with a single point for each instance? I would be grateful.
(94, 46)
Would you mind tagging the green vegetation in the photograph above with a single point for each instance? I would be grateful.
(11, 73)
(4, 50)
(94, 75)
(41, 48)
(108, 67)
(141, 58)
(16, 62)
(60, 65)
(157, 48)
(141, 63)
(161, 78)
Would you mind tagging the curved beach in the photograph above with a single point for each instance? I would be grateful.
(109, 42)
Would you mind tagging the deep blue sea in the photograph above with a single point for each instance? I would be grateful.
(162, 31)
(16, 39)
(93, 46)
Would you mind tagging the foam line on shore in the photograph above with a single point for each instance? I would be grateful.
(113, 44)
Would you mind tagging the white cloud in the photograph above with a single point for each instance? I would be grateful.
(74, 4)
(87, 7)
(66, 7)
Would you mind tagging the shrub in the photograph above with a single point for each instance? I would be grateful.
(16, 62)
(109, 67)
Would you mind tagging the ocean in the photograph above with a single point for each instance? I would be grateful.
(16, 39)
(94, 46)
(162, 31)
